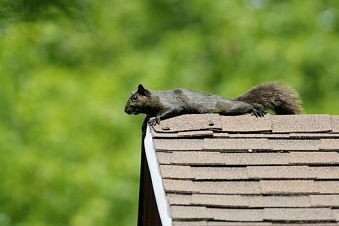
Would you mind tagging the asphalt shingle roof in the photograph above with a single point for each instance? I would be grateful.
(243, 170)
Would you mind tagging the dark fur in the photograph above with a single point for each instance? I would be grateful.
(170, 103)
(282, 100)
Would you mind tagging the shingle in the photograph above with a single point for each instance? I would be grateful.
(336, 214)
(163, 135)
(325, 172)
(218, 173)
(179, 199)
(237, 214)
(324, 200)
(294, 145)
(189, 123)
(228, 187)
(220, 135)
(305, 223)
(245, 123)
(219, 200)
(298, 214)
(329, 144)
(178, 144)
(214, 187)
(259, 135)
(231, 159)
(223, 223)
(164, 157)
(172, 171)
(310, 136)
(253, 201)
(179, 186)
(195, 134)
(236, 144)
(189, 212)
(301, 123)
(327, 187)
(203, 173)
(190, 223)
(198, 212)
(298, 172)
(314, 158)
(278, 201)
(282, 172)
(288, 187)
(190, 158)
(245, 159)
(335, 123)
(299, 187)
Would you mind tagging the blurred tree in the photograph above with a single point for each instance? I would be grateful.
(31, 10)
(69, 154)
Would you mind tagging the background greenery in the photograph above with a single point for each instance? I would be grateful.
(69, 155)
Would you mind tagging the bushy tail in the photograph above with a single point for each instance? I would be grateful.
(282, 100)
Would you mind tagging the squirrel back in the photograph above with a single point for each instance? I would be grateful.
(280, 99)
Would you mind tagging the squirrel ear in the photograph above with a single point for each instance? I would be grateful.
(142, 90)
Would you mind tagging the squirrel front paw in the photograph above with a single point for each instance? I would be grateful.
(154, 121)
(258, 113)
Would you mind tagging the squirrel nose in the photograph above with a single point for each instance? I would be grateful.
(127, 110)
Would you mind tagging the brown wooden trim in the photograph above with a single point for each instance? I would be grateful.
(148, 214)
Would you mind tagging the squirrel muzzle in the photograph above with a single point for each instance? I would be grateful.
(131, 110)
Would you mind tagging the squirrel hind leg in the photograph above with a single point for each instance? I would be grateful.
(239, 108)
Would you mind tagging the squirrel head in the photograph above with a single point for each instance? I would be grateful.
(138, 100)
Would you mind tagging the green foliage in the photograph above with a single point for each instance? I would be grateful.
(69, 154)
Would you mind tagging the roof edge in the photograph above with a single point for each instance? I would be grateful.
(158, 187)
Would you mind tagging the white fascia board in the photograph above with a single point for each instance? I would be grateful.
(158, 187)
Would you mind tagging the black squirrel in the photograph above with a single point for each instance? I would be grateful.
(169, 103)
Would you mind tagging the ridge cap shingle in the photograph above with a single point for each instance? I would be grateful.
(191, 124)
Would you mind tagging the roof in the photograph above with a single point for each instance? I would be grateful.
(242, 170)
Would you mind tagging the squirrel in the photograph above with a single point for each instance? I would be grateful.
(170, 103)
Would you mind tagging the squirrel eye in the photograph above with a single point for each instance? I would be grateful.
(134, 98)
